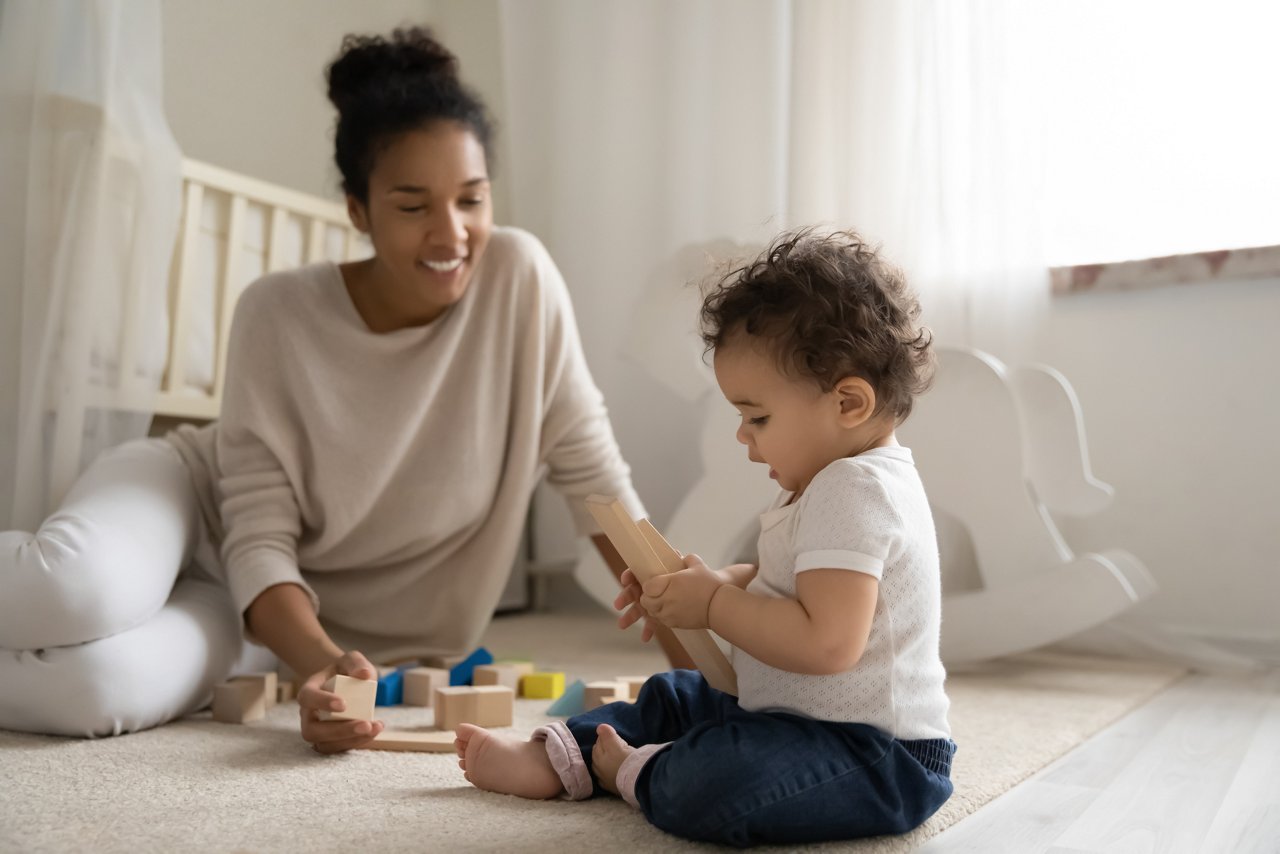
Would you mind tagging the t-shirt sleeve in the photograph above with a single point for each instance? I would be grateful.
(259, 508)
(578, 444)
(846, 521)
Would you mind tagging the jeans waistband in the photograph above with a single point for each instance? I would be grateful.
(933, 753)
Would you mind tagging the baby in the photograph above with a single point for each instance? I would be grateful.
(841, 727)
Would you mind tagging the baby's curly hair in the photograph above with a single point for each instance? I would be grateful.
(827, 306)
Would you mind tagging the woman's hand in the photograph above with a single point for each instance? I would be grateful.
(682, 600)
(628, 601)
(335, 736)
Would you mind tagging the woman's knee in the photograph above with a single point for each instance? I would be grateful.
(128, 682)
(70, 584)
(107, 560)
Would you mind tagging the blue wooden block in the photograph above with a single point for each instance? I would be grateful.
(572, 702)
(462, 672)
(390, 689)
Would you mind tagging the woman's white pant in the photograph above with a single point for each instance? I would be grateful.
(110, 621)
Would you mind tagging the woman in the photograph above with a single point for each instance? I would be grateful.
(383, 426)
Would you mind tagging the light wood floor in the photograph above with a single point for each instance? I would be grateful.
(1196, 770)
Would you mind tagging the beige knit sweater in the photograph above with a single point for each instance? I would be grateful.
(389, 474)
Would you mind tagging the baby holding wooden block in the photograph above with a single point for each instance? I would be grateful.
(839, 724)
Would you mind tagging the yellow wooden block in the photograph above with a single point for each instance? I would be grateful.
(542, 686)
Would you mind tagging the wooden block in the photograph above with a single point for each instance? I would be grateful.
(460, 667)
(648, 555)
(359, 695)
(266, 682)
(599, 693)
(239, 701)
(420, 684)
(523, 668)
(499, 674)
(495, 705)
(418, 742)
(285, 692)
(633, 684)
(542, 686)
(487, 706)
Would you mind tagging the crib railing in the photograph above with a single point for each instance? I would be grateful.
(233, 229)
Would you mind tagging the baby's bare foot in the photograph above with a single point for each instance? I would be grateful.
(607, 756)
(501, 763)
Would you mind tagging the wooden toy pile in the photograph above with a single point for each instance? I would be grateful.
(470, 689)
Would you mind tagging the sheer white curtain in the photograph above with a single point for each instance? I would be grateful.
(920, 122)
(89, 205)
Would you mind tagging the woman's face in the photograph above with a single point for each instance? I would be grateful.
(428, 216)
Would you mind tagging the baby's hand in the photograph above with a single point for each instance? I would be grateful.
(628, 601)
(682, 600)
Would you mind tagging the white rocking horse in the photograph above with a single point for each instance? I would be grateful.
(998, 450)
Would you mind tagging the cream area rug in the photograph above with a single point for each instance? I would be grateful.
(198, 785)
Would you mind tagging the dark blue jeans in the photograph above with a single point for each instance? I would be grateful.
(745, 778)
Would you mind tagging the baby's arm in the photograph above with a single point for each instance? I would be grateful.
(823, 630)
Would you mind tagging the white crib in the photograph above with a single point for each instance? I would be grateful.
(233, 229)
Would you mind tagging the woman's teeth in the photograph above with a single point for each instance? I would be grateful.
(444, 266)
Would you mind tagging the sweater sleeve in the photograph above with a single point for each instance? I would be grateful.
(259, 508)
(578, 444)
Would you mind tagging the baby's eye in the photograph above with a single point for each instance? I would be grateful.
(759, 420)
(414, 209)
(473, 202)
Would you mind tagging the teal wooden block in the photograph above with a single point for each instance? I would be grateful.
(572, 702)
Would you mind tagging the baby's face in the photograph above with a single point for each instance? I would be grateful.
(787, 424)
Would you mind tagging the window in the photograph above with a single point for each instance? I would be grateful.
(1163, 128)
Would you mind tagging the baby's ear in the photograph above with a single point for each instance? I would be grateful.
(857, 401)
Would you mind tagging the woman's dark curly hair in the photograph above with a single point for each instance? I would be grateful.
(826, 306)
(385, 86)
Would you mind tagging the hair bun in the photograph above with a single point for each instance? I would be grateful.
(364, 62)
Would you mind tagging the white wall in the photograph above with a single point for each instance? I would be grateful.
(1181, 410)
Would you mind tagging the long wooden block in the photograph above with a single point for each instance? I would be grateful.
(486, 705)
(649, 555)
(417, 742)
(359, 695)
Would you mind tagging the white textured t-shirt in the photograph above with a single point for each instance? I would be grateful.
(865, 514)
(389, 474)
